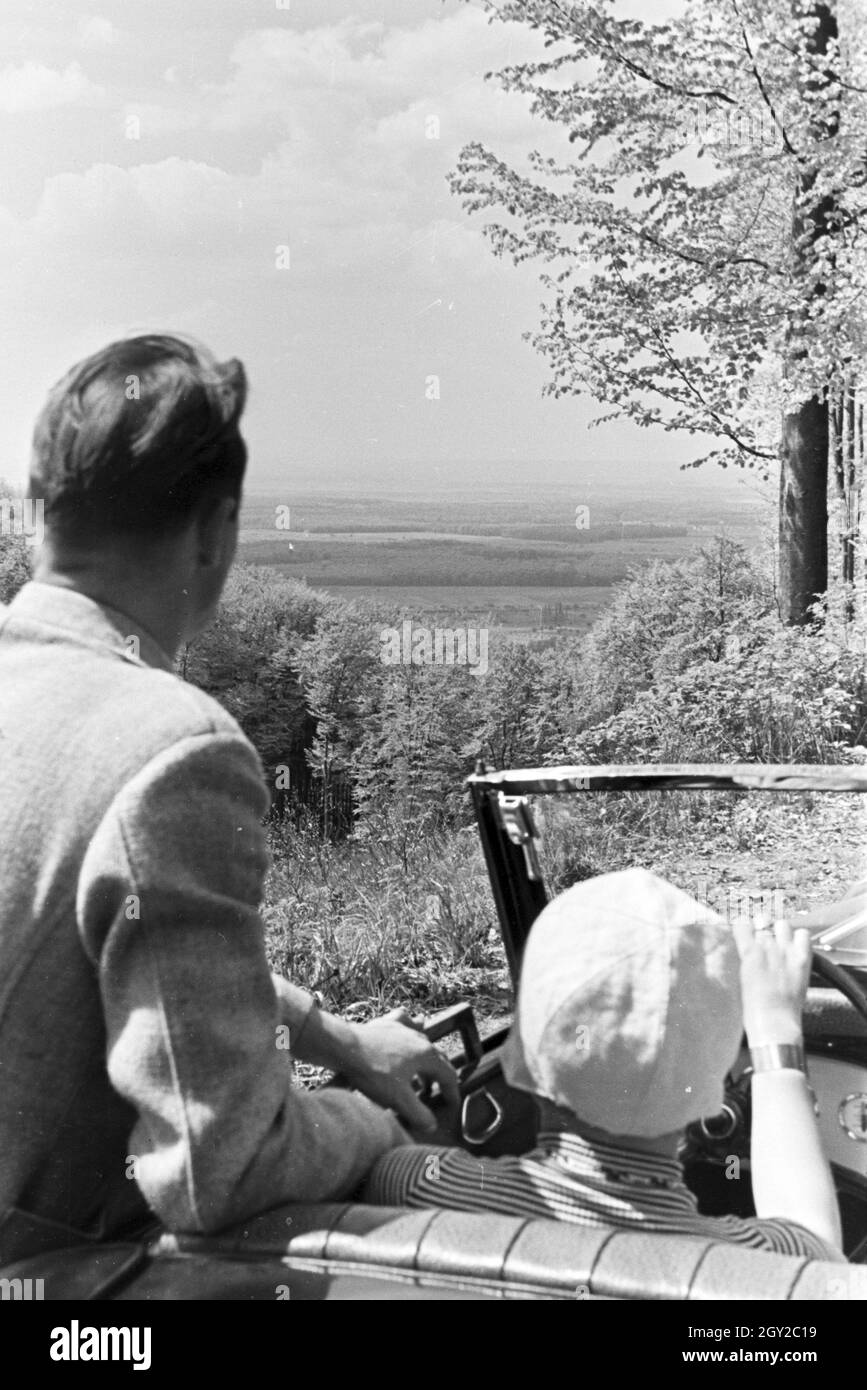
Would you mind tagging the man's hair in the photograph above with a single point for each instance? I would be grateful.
(133, 439)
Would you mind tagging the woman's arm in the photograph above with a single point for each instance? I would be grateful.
(791, 1176)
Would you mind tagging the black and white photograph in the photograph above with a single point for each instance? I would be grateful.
(433, 672)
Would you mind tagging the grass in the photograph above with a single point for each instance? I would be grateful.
(368, 928)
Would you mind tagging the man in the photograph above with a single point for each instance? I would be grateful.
(144, 1067)
(629, 1016)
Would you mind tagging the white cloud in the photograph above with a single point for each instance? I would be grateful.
(347, 173)
(171, 207)
(278, 72)
(156, 119)
(96, 32)
(35, 87)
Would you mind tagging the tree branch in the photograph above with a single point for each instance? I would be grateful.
(676, 366)
(638, 70)
(761, 85)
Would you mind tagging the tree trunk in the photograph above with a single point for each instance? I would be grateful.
(859, 492)
(803, 510)
(806, 434)
(852, 500)
(841, 471)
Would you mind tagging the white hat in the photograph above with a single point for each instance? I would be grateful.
(629, 1006)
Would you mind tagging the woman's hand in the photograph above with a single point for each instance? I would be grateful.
(775, 974)
(791, 1178)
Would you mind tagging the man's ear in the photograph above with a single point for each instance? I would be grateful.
(216, 528)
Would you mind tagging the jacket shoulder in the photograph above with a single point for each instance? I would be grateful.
(148, 710)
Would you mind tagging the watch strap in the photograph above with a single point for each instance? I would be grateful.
(779, 1057)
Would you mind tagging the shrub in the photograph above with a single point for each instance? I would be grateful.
(780, 694)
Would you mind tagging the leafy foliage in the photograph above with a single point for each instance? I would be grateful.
(244, 659)
(675, 283)
(668, 617)
(694, 666)
(15, 556)
(14, 565)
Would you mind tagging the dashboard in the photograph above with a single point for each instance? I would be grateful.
(841, 1095)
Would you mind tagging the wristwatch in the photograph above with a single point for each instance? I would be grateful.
(783, 1057)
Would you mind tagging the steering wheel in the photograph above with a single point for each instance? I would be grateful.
(841, 978)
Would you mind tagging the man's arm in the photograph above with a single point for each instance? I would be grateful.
(381, 1058)
(168, 909)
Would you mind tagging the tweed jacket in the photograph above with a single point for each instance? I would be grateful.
(143, 1041)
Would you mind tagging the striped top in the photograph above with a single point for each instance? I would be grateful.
(569, 1179)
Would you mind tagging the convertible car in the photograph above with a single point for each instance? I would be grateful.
(354, 1251)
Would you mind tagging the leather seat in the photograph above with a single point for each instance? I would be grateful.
(553, 1258)
(352, 1251)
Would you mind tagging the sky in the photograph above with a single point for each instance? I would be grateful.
(269, 176)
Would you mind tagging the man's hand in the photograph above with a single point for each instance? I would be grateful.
(775, 973)
(386, 1056)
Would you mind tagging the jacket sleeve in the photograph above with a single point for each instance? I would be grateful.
(294, 1006)
(168, 910)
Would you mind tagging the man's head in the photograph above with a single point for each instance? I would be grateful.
(629, 1008)
(139, 461)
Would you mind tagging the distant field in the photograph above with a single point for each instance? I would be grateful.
(456, 560)
(518, 561)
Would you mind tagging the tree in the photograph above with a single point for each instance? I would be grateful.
(806, 422)
(14, 566)
(704, 256)
(847, 452)
(16, 554)
(245, 660)
(507, 729)
(409, 765)
(336, 666)
(668, 617)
